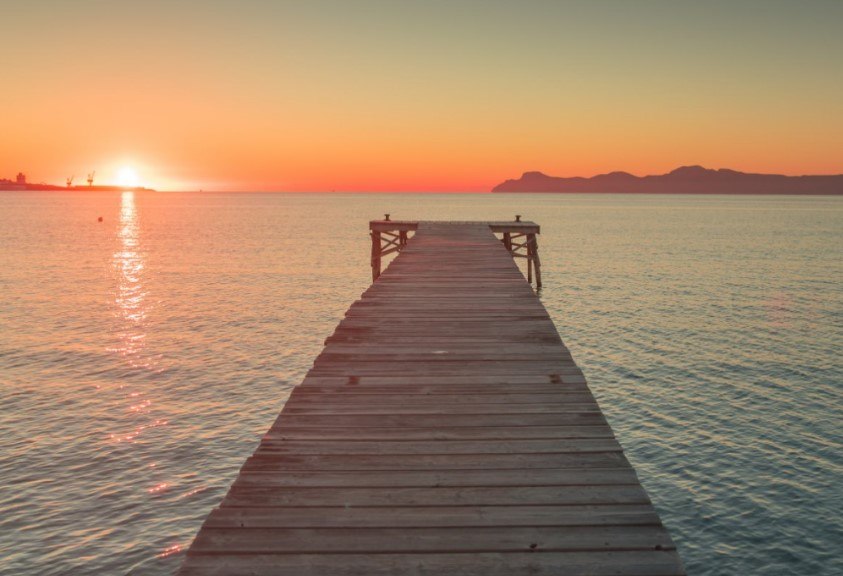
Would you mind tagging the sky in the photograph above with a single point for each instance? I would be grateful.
(452, 95)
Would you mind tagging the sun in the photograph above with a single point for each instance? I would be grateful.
(127, 177)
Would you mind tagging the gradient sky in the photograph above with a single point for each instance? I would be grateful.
(433, 95)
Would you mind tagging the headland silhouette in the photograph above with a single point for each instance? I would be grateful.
(683, 180)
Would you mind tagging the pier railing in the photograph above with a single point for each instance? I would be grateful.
(519, 238)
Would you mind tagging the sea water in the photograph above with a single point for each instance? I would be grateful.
(142, 357)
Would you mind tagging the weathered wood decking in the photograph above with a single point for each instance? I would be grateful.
(444, 429)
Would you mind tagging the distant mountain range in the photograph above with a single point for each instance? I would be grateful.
(684, 180)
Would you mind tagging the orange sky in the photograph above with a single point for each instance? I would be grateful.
(393, 95)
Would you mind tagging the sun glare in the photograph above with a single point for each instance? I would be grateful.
(127, 177)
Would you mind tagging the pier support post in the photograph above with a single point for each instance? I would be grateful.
(376, 255)
(533, 256)
(529, 265)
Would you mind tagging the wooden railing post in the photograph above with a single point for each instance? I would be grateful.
(529, 263)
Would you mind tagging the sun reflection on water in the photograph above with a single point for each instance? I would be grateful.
(170, 550)
(131, 311)
(136, 417)
(130, 296)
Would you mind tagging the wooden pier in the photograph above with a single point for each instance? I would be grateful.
(443, 430)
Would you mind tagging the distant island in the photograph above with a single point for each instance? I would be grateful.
(684, 180)
(20, 184)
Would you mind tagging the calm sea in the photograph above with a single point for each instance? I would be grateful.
(141, 358)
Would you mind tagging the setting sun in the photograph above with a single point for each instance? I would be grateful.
(127, 177)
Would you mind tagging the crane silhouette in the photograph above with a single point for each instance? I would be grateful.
(91, 178)
(70, 181)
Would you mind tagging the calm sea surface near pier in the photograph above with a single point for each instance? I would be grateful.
(141, 358)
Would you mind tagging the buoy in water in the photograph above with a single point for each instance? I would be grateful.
(99, 219)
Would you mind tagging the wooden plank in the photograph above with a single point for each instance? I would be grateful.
(436, 432)
(351, 387)
(427, 516)
(492, 393)
(348, 447)
(353, 396)
(432, 540)
(453, 420)
(516, 381)
(591, 563)
(423, 348)
(443, 367)
(296, 407)
(526, 462)
(259, 496)
(430, 478)
(434, 357)
(400, 337)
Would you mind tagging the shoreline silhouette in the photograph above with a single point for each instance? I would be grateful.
(8, 186)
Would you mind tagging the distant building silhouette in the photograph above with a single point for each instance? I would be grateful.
(21, 179)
